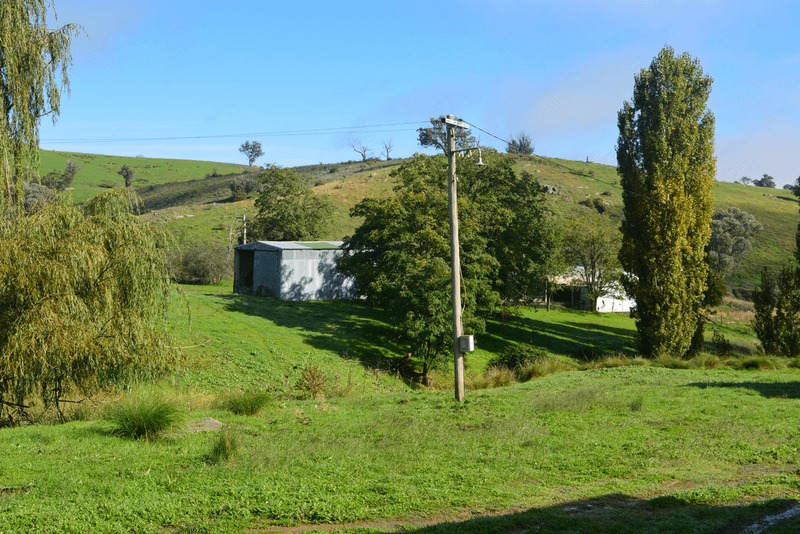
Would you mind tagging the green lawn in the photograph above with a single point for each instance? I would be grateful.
(620, 449)
(633, 449)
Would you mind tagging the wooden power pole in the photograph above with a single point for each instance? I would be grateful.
(458, 357)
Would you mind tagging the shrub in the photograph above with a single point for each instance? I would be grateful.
(225, 447)
(141, 416)
(722, 347)
(246, 402)
(242, 186)
(37, 197)
(312, 380)
(201, 263)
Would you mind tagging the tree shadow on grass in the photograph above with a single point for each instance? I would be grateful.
(349, 328)
(581, 339)
(622, 513)
(770, 390)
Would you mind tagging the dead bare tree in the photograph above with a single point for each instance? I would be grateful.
(387, 148)
(364, 151)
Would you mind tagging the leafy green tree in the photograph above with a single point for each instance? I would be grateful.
(592, 245)
(733, 232)
(34, 60)
(128, 174)
(200, 263)
(765, 181)
(400, 255)
(777, 312)
(436, 137)
(252, 150)
(744, 180)
(794, 188)
(522, 144)
(288, 209)
(665, 159)
(60, 181)
(82, 293)
(777, 308)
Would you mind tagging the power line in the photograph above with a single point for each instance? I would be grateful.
(314, 131)
(488, 133)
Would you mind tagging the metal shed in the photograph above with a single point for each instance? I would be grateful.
(291, 270)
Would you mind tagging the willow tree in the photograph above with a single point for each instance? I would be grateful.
(82, 292)
(34, 60)
(665, 159)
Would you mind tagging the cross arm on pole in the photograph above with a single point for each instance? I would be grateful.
(452, 121)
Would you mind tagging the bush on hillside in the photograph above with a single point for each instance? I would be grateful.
(201, 263)
(242, 186)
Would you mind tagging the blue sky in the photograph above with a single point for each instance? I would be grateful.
(307, 78)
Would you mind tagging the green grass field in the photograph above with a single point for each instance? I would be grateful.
(98, 171)
(354, 442)
(636, 448)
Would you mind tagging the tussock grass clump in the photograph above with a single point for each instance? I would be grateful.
(521, 364)
(763, 363)
(617, 359)
(707, 361)
(543, 366)
(143, 415)
(225, 448)
(671, 362)
(246, 402)
(493, 377)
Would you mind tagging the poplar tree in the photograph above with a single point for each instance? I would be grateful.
(665, 160)
(34, 60)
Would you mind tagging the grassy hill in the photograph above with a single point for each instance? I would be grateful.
(98, 172)
(196, 205)
(599, 441)
(638, 448)
(598, 185)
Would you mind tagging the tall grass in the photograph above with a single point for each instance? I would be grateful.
(246, 402)
(225, 447)
(141, 415)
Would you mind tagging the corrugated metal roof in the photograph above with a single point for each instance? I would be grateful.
(291, 245)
